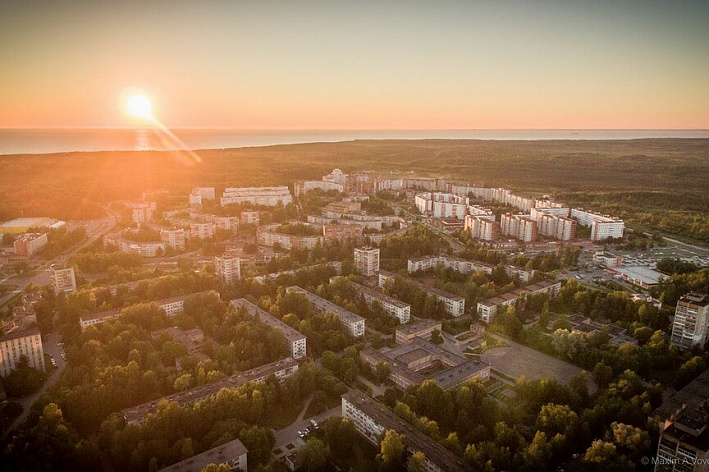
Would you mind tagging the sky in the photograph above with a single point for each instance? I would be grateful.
(410, 64)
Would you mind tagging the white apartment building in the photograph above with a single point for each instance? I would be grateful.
(18, 343)
(30, 243)
(250, 217)
(206, 193)
(146, 249)
(296, 341)
(227, 268)
(396, 308)
(202, 230)
(520, 227)
(336, 176)
(64, 279)
(266, 196)
(488, 308)
(143, 213)
(691, 323)
(174, 238)
(232, 453)
(453, 304)
(484, 228)
(607, 259)
(228, 223)
(602, 226)
(499, 194)
(367, 260)
(442, 205)
(557, 227)
(459, 265)
(354, 324)
(302, 187)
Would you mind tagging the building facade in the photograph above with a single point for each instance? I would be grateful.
(296, 341)
(64, 279)
(30, 244)
(354, 324)
(14, 344)
(174, 238)
(488, 308)
(227, 268)
(520, 227)
(691, 323)
(396, 308)
(265, 196)
(366, 260)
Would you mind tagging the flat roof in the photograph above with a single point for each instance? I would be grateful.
(415, 439)
(693, 395)
(217, 455)
(643, 274)
(416, 283)
(394, 301)
(412, 328)
(327, 305)
(266, 318)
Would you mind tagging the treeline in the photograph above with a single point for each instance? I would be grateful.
(417, 241)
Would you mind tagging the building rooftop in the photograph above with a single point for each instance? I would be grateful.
(40, 221)
(642, 274)
(266, 318)
(385, 298)
(327, 305)
(693, 395)
(409, 329)
(19, 334)
(217, 455)
(699, 299)
(140, 412)
(415, 439)
(416, 283)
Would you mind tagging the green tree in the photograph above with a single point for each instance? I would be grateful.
(417, 462)
(313, 455)
(392, 451)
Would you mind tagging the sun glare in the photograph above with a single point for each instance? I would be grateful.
(139, 107)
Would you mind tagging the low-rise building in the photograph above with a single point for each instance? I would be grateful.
(296, 340)
(353, 323)
(233, 454)
(409, 363)
(607, 259)
(337, 265)
(420, 329)
(30, 244)
(459, 265)
(372, 420)
(64, 279)
(396, 308)
(281, 370)
(268, 235)
(227, 223)
(488, 308)
(145, 249)
(341, 232)
(454, 304)
(366, 260)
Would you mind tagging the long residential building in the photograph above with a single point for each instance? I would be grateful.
(602, 226)
(454, 304)
(557, 227)
(281, 369)
(233, 454)
(202, 230)
(296, 340)
(488, 308)
(354, 324)
(172, 307)
(409, 363)
(520, 227)
(265, 196)
(30, 244)
(396, 308)
(690, 326)
(145, 249)
(337, 265)
(464, 266)
(174, 238)
(372, 420)
(442, 205)
(228, 223)
(501, 195)
(420, 329)
(302, 187)
(268, 235)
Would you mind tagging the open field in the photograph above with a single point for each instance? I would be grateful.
(633, 178)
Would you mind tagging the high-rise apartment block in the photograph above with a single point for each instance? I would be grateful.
(520, 227)
(482, 227)
(174, 238)
(227, 268)
(30, 243)
(691, 324)
(64, 279)
(367, 260)
(18, 343)
(266, 196)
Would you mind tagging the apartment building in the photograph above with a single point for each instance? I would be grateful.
(337, 265)
(487, 308)
(354, 324)
(497, 194)
(302, 187)
(296, 341)
(602, 226)
(174, 238)
(607, 259)
(684, 423)
(557, 227)
(442, 205)
(459, 265)
(520, 227)
(537, 212)
(202, 230)
(206, 193)
(250, 217)
(482, 227)
(420, 329)
(341, 232)
(691, 322)
(227, 268)
(453, 304)
(30, 244)
(142, 213)
(172, 306)
(232, 453)
(361, 223)
(372, 420)
(366, 260)
(63, 279)
(145, 249)
(396, 308)
(268, 235)
(227, 223)
(265, 196)
(281, 370)
(17, 341)
(419, 360)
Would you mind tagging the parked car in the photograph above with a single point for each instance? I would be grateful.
(314, 424)
(301, 434)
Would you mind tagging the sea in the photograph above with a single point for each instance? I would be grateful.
(45, 141)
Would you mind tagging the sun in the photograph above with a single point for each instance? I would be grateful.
(138, 106)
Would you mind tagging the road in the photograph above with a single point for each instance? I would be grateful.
(95, 229)
(289, 434)
(51, 347)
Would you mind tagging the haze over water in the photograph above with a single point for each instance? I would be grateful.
(43, 141)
